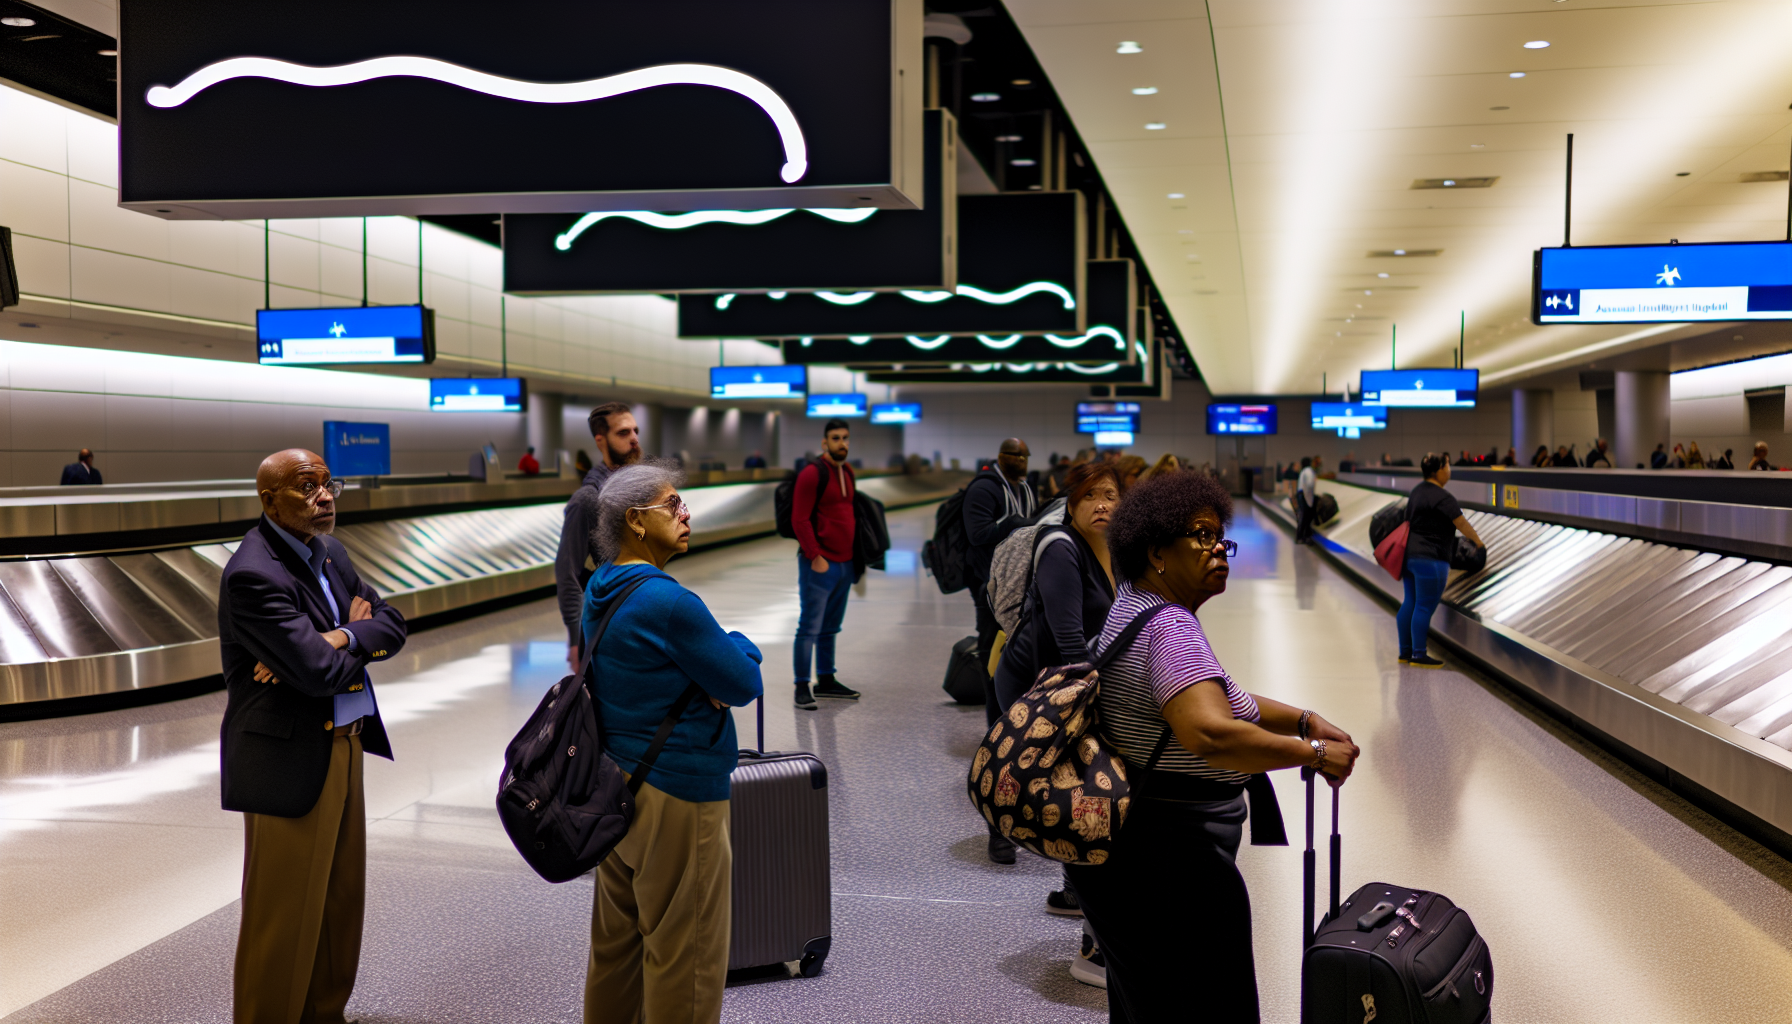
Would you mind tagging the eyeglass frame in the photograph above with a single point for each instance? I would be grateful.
(332, 485)
(682, 510)
(1229, 548)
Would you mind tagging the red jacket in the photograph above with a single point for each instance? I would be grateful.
(824, 522)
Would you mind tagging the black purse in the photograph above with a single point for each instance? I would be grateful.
(1468, 556)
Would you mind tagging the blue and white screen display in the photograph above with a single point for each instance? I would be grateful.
(357, 449)
(896, 412)
(1241, 419)
(353, 334)
(824, 406)
(476, 394)
(1107, 418)
(1343, 416)
(758, 381)
(1433, 389)
(1628, 284)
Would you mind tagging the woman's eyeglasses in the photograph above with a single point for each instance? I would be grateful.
(311, 488)
(674, 504)
(1207, 540)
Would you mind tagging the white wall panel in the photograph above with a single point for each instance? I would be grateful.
(33, 201)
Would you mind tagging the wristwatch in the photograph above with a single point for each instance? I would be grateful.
(1305, 718)
(1318, 754)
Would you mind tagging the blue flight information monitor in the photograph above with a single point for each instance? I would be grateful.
(1431, 389)
(758, 381)
(476, 394)
(1640, 284)
(824, 406)
(896, 412)
(357, 449)
(1108, 418)
(1241, 419)
(353, 334)
(1349, 419)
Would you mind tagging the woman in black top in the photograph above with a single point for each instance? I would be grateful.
(1435, 517)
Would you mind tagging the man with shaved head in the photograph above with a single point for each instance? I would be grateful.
(997, 502)
(297, 628)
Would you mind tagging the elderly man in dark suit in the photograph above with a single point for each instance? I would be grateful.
(297, 628)
(81, 470)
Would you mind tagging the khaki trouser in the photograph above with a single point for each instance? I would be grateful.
(660, 926)
(304, 889)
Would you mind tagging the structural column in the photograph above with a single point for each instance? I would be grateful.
(1642, 400)
(1533, 422)
(546, 430)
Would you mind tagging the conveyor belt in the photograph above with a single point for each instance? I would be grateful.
(1680, 655)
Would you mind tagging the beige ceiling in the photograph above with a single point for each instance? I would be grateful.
(1297, 158)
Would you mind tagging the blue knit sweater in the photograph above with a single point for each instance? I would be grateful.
(662, 638)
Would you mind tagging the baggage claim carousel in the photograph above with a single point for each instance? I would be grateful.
(109, 595)
(1656, 623)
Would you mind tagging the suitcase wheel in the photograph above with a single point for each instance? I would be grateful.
(814, 952)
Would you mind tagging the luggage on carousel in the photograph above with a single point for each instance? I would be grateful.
(965, 673)
(778, 826)
(1467, 555)
(1325, 509)
(1389, 954)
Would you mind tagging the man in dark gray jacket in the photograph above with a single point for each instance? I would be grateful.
(618, 439)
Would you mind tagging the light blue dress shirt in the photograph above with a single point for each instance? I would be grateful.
(357, 703)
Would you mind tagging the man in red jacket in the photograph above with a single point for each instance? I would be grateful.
(821, 514)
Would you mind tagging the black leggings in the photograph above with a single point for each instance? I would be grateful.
(1171, 913)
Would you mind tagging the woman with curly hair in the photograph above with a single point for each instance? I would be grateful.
(1169, 906)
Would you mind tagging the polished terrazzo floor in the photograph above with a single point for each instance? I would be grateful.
(1603, 897)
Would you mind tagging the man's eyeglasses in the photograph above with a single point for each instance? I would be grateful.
(311, 488)
(674, 504)
(1207, 540)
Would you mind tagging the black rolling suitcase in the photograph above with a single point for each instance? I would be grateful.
(965, 673)
(1389, 954)
(778, 826)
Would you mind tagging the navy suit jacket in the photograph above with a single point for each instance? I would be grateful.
(79, 473)
(277, 736)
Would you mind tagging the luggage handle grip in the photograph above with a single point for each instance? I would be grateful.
(1310, 856)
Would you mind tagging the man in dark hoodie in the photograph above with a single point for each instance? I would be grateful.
(821, 515)
(618, 440)
(997, 502)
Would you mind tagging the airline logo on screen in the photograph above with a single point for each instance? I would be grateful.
(796, 153)
(1665, 283)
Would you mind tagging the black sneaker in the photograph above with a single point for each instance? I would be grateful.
(828, 686)
(1063, 903)
(1423, 661)
(1089, 966)
(804, 699)
(1001, 850)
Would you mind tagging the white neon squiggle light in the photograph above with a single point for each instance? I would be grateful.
(999, 344)
(1094, 332)
(929, 344)
(777, 295)
(845, 300)
(694, 218)
(859, 339)
(1030, 288)
(1103, 368)
(724, 301)
(928, 297)
(796, 150)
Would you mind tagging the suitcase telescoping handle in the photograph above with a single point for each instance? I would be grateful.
(761, 702)
(1310, 856)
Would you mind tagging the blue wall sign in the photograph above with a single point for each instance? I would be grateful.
(1628, 284)
(357, 449)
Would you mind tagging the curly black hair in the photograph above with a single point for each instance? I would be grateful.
(1156, 511)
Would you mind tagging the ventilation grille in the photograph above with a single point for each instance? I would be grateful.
(1402, 253)
(1454, 182)
(1765, 176)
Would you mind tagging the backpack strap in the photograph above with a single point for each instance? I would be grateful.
(603, 624)
(1129, 634)
(652, 755)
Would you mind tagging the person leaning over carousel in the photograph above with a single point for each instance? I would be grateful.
(1169, 907)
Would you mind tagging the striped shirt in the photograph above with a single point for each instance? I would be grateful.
(1170, 655)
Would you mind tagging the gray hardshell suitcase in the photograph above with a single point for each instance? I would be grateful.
(778, 825)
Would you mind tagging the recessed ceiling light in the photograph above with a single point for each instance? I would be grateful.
(1177, 195)
(1381, 275)
(1129, 47)
(1399, 252)
(1007, 138)
(1449, 182)
(1537, 44)
(1155, 126)
(108, 53)
(1024, 162)
(1145, 90)
(1515, 74)
(1037, 188)
(18, 22)
(1477, 145)
(1022, 82)
(1367, 292)
(985, 97)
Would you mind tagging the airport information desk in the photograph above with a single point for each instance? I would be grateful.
(1603, 601)
(111, 589)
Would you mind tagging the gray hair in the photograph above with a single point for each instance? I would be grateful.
(628, 487)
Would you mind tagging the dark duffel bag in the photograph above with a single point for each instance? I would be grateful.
(563, 801)
(1325, 509)
(1390, 954)
(965, 673)
(778, 827)
(1384, 521)
(1468, 556)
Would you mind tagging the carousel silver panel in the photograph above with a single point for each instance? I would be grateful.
(1683, 655)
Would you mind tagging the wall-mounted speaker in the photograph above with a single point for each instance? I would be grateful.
(9, 273)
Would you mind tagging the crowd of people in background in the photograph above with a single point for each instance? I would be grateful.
(1598, 456)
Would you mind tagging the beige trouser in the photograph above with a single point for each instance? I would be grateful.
(304, 889)
(660, 924)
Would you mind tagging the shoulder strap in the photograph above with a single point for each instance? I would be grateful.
(1129, 634)
(604, 623)
(652, 754)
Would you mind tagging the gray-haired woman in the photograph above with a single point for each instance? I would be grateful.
(660, 926)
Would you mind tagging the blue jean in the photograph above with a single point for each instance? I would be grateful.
(1424, 579)
(823, 596)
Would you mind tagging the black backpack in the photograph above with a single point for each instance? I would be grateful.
(563, 801)
(946, 554)
(784, 500)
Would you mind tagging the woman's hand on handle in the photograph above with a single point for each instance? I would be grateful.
(1467, 530)
(1340, 758)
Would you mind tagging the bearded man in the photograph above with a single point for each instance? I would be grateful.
(618, 439)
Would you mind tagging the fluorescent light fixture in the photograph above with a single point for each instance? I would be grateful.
(18, 22)
(680, 221)
(1383, 274)
(1145, 90)
(1177, 195)
(1155, 126)
(1515, 74)
(1023, 162)
(1537, 44)
(796, 151)
(108, 53)
(1129, 47)
(1008, 138)
(985, 97)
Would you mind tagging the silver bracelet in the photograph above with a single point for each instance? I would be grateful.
(1305, 717)
(1318, 755)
